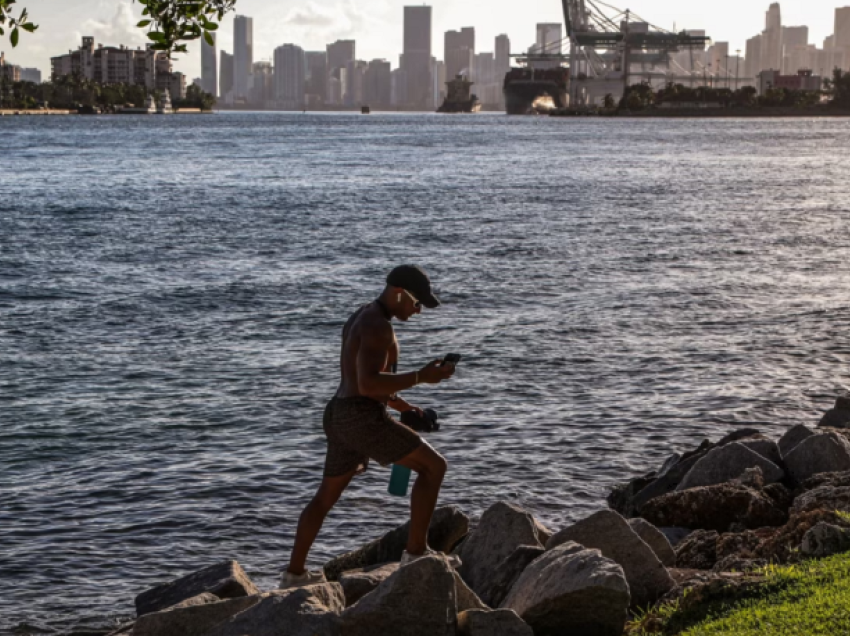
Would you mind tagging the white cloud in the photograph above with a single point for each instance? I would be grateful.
(119, 29)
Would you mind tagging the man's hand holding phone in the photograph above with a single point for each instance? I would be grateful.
(438, 370)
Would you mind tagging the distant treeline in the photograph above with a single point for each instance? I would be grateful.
(74, 91)
(643, 96)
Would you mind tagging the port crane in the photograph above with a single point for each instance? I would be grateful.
(607, 43)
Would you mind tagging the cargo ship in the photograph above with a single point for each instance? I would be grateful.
(530, 90)
(459, 97)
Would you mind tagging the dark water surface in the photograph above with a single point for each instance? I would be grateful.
(172, 291)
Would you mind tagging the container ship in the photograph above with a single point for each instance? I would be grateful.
(530, 90)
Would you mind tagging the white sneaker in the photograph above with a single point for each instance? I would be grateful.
(453, 559)
(288, 579)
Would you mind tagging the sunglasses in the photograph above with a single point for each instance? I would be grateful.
(416, 303)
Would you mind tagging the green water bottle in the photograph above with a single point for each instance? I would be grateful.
(399, 480)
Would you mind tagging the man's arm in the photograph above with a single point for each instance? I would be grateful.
(371, 361)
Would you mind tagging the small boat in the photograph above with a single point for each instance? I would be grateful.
(364, 110)
(459, 99)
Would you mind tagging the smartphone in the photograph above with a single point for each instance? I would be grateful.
(451, 358)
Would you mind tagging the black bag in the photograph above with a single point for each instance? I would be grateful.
(426, 423)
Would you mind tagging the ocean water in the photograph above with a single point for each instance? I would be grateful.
(172, 291)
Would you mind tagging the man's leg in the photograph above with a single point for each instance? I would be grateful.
(313, 516)
(431, 468)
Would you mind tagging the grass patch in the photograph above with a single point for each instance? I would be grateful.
(808, 599)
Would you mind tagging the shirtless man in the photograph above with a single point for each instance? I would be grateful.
(358, 426)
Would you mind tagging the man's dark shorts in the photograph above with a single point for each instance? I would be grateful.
(359, 428)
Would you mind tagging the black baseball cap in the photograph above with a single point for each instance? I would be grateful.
(414, 279)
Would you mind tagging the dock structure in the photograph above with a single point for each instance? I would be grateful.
(610, 50)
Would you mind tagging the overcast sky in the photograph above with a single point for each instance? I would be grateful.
(377, 24)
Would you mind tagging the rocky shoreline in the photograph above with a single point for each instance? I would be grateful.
(699, 527)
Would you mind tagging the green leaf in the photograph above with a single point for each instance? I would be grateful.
(143, 23)
(14, 37)
(209, 38)
(29, 27)
(156, 36)
(211, 26)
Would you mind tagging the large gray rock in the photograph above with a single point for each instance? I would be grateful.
(792, 437)
(714, 508)
(225, 579)
(494, 591)
(305, 611)
(838, 416)
(448, 526)
(767, 448)
(358, 583)
(417, 600)
(823, 453)
(466, 598)
(609, 533)
(668, 480)
(191, 619)
(739, 434)
(655, 539)
(502, 529)
(727, 462)
(500, 622)
(824, 540)
(828, 491)
(571, 590)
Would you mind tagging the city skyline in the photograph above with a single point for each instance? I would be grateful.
(378, 30)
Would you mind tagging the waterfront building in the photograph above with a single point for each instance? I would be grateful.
(398, 95)
(209, 67)
(289, 71)
(416, 58)
(842, 28)
(718, 58)
(9, 72)
(771, 54)
(225, 78)
(120, 65)
(803, 80)
(316, 78)
(243, 55)
(377, 84)
(458, 51)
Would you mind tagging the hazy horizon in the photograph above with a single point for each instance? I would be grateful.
(377, 26)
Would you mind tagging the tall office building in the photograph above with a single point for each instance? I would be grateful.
(209, 67)
(355, 74)
(339, 54)
(316, 78)
(771, 52)
(289, 72)
(225, 77)
(842, 27)
(262, 89)
(31, 75)
(549, 38)
(795, 41)
(377, 84)
(459, 51)
(718, 57)
(416, 59)
(503, 55)
(243, 54)
(752, 65)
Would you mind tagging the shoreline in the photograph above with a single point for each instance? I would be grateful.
(716, 113)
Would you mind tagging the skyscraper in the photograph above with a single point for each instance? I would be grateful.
(503, 55)
(842, 28)
(549, 38)
(459, 51)
(225, 78)
(243, 54)
(771, 54)
(752, 64)
(416, 59)
(340, 53)
(316, 79)
(289, 71)
(794, 40)
(209, 67)
(377, 84)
